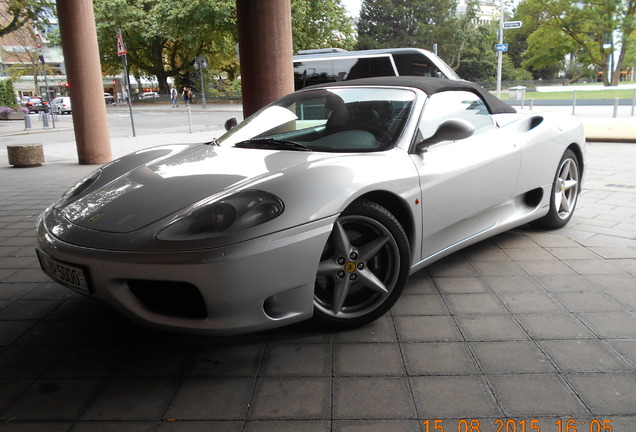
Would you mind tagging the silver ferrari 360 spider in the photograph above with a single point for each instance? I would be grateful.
(319, 205)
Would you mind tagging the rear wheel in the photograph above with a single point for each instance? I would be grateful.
(363, 268)
(565, 193)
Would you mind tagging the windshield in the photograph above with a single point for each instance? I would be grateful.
(355, 119)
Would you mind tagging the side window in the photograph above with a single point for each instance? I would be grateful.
(415, 65)
(309, 71)
(454, 104)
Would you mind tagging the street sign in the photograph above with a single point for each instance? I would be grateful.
(38, 41)
(501, 47)
(121, 48)
(512, 24)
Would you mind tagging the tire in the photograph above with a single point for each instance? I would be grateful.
(59, 111)
(564, 194)
(363, 268)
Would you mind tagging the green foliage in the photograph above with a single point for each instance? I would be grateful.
(468, 48)
(479, 58)
(7, 94)
(404, 23)
(16, 13)
(163, 36)
(321, 24)
(464, 37)
(582, 29)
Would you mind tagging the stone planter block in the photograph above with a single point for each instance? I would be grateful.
(12, 116)
(25, 155)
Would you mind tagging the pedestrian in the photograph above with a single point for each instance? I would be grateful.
(184, 95)
(174, 96)
(190, 96)
(118, 97)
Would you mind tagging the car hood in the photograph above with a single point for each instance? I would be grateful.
(154, 190)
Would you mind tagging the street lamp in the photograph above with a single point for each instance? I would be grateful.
(201, 63)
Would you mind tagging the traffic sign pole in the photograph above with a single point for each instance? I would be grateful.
(500, 53)
(38, 44)
(501, 46)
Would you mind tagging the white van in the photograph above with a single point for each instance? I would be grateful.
(322, 66)
(61, 105)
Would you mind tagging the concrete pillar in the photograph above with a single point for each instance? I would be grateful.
(266, 51)
(83, 69)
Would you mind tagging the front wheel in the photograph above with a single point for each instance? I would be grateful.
(363, 268)
(565, 192)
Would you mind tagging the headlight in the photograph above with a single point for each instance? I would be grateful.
(76, 191)
(236, 212)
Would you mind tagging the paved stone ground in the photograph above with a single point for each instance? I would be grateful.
(527, 329)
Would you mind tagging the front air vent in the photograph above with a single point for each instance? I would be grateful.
(177, 299)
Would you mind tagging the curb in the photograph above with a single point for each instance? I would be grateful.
(610, 130)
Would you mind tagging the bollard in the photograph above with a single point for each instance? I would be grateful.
(523, 98)
(531, 103)
(27, 122)
(615, 107)
(574, 102)
(190, 118)
(45, 120)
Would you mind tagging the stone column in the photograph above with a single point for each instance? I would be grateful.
(265, 44)
(83, 69)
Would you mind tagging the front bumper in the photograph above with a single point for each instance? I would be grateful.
(254, 285)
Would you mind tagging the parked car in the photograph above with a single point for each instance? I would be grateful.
(61, 105)
(320, 204)
(36, 104)
(149, 95)
(331, 65)
(108, 98)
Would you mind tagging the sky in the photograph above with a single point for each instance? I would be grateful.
(353, 7)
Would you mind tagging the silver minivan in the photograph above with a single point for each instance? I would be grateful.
(330, 65)
(61, 105)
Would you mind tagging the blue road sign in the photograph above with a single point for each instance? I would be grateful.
(501, 47)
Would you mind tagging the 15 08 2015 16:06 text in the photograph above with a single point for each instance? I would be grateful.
(515, 425)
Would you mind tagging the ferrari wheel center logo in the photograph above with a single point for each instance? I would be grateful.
(350, 267)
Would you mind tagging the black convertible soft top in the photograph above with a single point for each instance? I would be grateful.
(430, 86)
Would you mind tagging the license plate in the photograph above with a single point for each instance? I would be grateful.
(66, 274)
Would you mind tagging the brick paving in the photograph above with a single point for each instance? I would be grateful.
(528, 328)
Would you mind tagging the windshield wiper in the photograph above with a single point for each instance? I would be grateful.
(272, 144)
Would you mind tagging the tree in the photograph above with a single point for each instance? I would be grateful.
(466, 34)
(591, 29)
(7, 94)
(479, 59)
(321, 24)
(16, 13)
(26, 61)
(163, 36)
(403, 23)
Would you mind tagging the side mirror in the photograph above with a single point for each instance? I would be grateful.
(231, 123)
(450, 130)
